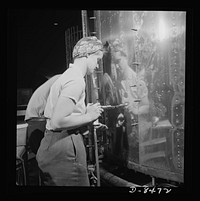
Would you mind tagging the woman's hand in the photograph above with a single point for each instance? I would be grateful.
(94, 110)
(99, 126)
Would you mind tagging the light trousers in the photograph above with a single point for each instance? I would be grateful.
(63, 158)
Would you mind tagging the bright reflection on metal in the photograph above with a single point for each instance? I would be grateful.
(162, 30)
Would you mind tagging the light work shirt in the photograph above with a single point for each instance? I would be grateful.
(37, 102)
(70, 84)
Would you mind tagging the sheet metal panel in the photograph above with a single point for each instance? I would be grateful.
(145, 67)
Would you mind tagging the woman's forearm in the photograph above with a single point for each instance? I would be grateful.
(72, 121)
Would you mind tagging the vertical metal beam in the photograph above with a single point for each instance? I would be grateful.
(85, 33)
(96, 157)
(97, 24)
(66, 52)
(84, 23)
(87, 78)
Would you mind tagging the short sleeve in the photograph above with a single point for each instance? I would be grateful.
(73, 89)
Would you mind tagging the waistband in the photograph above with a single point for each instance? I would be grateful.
(36, 119)
(80, 130)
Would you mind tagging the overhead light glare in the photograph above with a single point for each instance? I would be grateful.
(162, 30)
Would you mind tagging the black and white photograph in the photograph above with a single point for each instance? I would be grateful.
(100, 100)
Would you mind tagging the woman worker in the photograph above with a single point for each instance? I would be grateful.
(62, 153)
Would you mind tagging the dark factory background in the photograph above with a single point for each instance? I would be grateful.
(40, 41)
